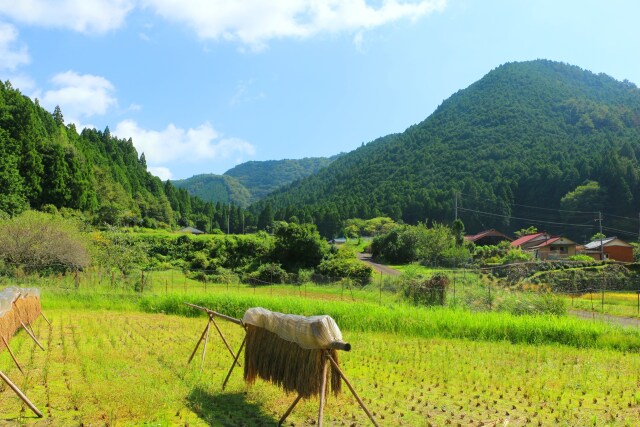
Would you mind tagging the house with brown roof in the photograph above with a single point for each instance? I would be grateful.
(487, 237)
(612, 248)
(554, 248)
(530, 240)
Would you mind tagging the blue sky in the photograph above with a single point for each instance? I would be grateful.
(203, 85)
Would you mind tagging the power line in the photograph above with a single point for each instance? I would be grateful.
(523, 219)
(532, 207)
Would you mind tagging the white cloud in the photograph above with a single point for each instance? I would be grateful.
(80, 95)
(255, 22)
(85, 16)
(12, 56)
(174, 144)
(22, 82)
(161, 172)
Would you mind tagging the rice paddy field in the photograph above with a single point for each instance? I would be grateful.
(119, 359)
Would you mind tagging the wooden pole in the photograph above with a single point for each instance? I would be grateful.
(216, 314)
(204, 349)
(44, 317)
(362, 405)
(223, 338)
(20, 395)
(235, 362)
(286, 414)
(199, 341)
(323, 389)
(6, 344)
(31, 335)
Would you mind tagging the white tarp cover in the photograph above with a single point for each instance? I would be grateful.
(9, 295)
(308, 332)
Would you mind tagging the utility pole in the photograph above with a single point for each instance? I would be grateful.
(601, 247)
(456, 205)
(229, 215)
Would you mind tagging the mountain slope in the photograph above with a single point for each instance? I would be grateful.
(525, 134)
(45, 164)
(262, 178)
(216, 188)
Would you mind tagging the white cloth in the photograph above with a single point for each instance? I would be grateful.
(9, 295)
(308, 332)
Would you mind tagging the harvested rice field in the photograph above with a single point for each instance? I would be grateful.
(130, 368)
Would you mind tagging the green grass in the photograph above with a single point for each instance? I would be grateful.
(416, 321)
(126, 368)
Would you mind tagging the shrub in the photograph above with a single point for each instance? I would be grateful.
(43, 242)
(582, 258)
(516, 255)
(339, 267)
(268, 274)
(429, 292)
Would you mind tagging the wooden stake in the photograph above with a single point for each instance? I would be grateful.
(323, 390)
(199, 341)
(223, 338)
(286, 414)
(6, 344)
(204, 349)
(335, 365)
(31, 335)
(43, 316)
(20, 395)
(235, 362)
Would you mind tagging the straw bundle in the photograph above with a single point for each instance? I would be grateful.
(286, 364)
(17, 306)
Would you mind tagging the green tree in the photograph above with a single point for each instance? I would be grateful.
(298, 245)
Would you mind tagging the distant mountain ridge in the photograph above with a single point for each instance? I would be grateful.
(526, 134)
(251, 181)
(216, 188)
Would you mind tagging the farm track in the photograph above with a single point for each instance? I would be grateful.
(616, 320)
(380, 268)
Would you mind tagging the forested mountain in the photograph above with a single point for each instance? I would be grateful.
(216, 188)
(251, 181)
(45, 164)
(528, 135)
(263, 177)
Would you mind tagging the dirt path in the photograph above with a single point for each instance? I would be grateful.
(618, 320)
(380, 268)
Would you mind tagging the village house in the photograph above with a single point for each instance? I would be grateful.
(612, 248)
(487, 238)
(191, 230)
(530, 240)
(554, 248)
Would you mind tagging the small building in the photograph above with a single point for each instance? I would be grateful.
(530, 240)
(612, 247)
(487, 238)
(554, 248)
(190, 230)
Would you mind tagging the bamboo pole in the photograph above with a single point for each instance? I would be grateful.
(204, 349)
(216, 314)
(286, 414)
(223, 338)
(323, 389)
(235, 362)
(335, 365)
(206, 329)
(31, 335)
(20, 394)
(6, 344)
(44, 317)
